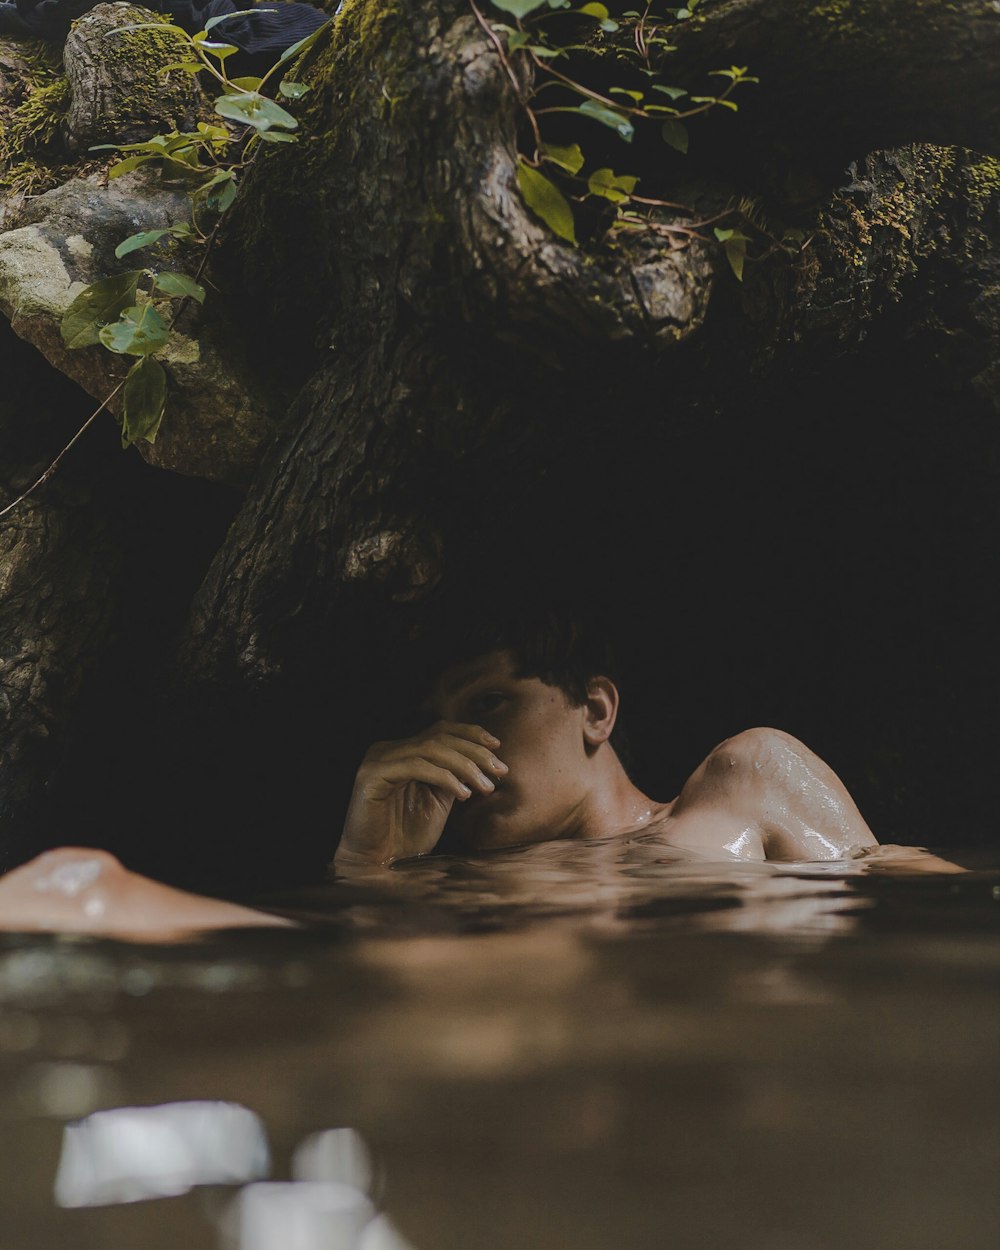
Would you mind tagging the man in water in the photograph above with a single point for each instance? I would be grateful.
(518, 750)
(521, 752)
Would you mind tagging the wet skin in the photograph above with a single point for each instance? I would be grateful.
(510, 760)
(82, 890)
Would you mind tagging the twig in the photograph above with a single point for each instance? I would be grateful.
(55, 463)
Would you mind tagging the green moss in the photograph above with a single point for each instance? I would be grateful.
(142, 55)
(29, 161)
(880, 22)
(982, 184)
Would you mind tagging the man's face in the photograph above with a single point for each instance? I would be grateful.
(541, 742)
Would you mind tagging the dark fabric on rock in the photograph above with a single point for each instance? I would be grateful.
(260, 36)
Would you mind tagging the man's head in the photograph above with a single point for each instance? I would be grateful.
(554, 713)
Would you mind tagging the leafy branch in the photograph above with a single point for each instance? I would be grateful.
(642, 41)
(132, 313)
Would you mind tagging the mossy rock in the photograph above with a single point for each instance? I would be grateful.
(120, 90)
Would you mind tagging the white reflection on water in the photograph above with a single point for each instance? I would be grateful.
(336, 1154)
(130, 1153)
(302, 1215)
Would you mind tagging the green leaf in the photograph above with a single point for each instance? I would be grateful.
(600, 11)
(135, 241)
(276, 136)
(225, 17)
(735, 243)
(179, 284)
(607, 117)
(614, 187)
(675, 133)
(255, 110)
(520, 8)
(242, 84)
(547, 202)
(293, 90)
(145, 398)
(219, 50)
(569, 158)
(296, 48)
(140, 331)
(221, 196)
(128, 164)
(675, 93)
(95, 306)
(189, 67)
(736, 254)
(633, 95)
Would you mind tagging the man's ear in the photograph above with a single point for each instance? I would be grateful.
(600, 711)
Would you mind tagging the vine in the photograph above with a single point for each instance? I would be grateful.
(553, 176)
(132, 313)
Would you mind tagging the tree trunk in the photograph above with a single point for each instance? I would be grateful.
(490, 415)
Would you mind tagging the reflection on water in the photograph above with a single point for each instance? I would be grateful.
(597, 1046)
(128, 1154)
(132, 1153)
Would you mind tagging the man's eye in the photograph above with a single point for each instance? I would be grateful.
(489, 701)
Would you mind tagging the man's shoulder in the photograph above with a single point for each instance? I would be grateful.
(761, 753)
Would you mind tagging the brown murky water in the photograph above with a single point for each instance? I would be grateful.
(581, 1047)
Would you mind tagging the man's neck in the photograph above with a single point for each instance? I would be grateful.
(615, 805)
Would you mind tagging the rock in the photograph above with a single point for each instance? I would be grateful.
(219, 413)
(119, 92)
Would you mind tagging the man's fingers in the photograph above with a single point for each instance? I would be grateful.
(480, 755)
(402, 772)
(460, 764)
(471, 733)
(431, 744)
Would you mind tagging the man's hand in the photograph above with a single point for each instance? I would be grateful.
(404, 791)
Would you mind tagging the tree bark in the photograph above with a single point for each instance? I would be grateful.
(424, 256)
(486, 409)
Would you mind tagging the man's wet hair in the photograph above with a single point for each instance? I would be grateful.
(559, 645)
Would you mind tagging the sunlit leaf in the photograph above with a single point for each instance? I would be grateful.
(135, 241)
(145, 398)
(633, 95)
(255, 110)
(179, 284)
(219, 50)
(675, 133)
(296, 48)
(675, 93)
(569, 158)
(607, 117)
(226, 17)
(96, 305)
(611, 186)
(128, 164)
(547, 202)
(139, 331)
(519, 8)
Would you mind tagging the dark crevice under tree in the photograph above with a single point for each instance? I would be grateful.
(779, 495)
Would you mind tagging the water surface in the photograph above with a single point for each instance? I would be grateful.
(591, 1046)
